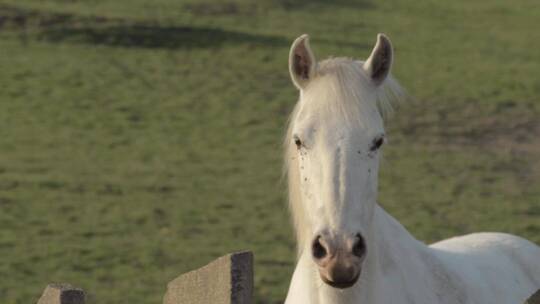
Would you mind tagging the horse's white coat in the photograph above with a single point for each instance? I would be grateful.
(333, 189)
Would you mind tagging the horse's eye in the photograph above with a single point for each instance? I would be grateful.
(377, 143)
(297, 142)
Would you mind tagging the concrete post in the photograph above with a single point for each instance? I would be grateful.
(227, 280)
(62, 294)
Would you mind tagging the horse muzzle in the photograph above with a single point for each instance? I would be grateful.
(339, 265)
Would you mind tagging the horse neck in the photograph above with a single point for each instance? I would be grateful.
(395, 264)
(395, 249)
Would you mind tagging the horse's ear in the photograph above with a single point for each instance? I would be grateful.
(302, 63)
(379, 62)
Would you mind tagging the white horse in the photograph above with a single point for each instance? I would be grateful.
(350, 250)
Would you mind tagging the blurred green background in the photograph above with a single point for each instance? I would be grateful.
(142, 139)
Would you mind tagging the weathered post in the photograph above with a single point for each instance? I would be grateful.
(227, 280)
(62, 294)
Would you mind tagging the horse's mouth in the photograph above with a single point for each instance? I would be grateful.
(341, 285)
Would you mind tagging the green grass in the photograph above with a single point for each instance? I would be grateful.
(142, 139)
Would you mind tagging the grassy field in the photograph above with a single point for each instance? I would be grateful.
(141, 139)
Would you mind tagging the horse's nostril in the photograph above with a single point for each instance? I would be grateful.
(359, 247)
(317, 249)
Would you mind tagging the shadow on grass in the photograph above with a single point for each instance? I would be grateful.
(155, 36)
(117, 32)
(230, 8)
(302, 4)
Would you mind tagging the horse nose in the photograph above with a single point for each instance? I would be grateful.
(319, 249)
(359, 246)
(339, 263)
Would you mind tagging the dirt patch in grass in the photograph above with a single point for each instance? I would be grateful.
(513, 128)
(510, 131)
(517, 134)
(516, 137)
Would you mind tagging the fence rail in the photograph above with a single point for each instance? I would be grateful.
(226, 280)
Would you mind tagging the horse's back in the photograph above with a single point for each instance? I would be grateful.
(493, 266)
